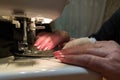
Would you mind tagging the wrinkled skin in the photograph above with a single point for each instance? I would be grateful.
(102, 57)
(48, 41)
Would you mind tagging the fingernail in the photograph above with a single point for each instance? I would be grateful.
(58, 54)
(49, 47)
(35, 44)
(45, 48)
(38, 47)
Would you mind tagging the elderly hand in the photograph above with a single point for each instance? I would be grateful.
(102, 57)
(48, 41)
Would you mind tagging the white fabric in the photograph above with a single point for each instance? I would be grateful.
(79, 41)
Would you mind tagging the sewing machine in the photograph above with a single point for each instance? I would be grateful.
(28, 17)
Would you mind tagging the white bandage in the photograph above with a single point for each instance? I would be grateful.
(92, 40)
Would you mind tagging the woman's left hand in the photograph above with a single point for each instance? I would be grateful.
(48, 41)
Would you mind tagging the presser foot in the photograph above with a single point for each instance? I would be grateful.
(35, 54)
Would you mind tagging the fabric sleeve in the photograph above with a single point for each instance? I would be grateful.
(110, 29)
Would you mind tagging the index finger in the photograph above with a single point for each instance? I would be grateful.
(91, 49)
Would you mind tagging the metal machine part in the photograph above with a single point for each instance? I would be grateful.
(25, 46)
